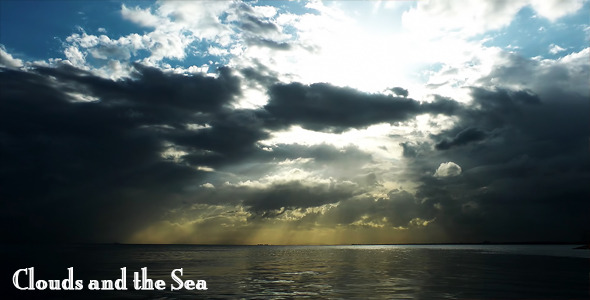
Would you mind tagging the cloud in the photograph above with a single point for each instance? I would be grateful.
(75, 57)
(554, 49)
(400, 91)
(275, 199)
(556, 9)
(177, 30)
(7, 60)
(530, 165)
(325, 107)
(462, 138)
(164, 145)
(66, 159)
(447, 169)
(253, 24)
(290, 141)
(438, 17)
(545, 77)
(149, 141)
(142, 17)
(346, 163)
(269, 44)
(173, 26)
(414, 149)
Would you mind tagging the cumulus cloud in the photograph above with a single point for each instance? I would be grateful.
(447, 169)
(143, 17)
(179, 29)
(7, 60)
(75, 57)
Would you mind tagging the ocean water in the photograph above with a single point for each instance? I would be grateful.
(311, 272)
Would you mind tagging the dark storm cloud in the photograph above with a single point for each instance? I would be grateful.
(152, 89)
(493, 111)
(464, 137)
(400, 91)
(400, 209)
(232, 135)
(97, 170)
(414, 149)
(274, 199)
(344, 166)
(260, 74)
(525, 168)
(324, 107)
(293, 195)
(73, 170)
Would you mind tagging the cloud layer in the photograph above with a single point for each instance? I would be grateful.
(248, 143)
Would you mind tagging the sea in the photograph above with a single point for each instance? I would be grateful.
(304, 272)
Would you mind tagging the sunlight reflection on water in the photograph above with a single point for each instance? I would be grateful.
(346, 272)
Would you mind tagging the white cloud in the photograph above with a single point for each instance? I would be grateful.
(216, 51)
(555, 9)
(447, 169)
(114, 70)
(201, 18)
(265, 11)
(103, 47)
(330, 45)
(470, 17)
(142, 17)
(208, 185)
(175, 26)
(75, 57)
(454, 75)
(164, 44)
(7, 60)
(554, 49)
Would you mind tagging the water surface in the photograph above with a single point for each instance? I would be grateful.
(313, 272)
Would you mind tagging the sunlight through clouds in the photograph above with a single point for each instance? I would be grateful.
(295, 122)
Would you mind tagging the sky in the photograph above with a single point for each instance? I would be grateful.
(294, 122)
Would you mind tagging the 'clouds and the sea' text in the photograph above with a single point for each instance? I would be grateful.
(24, 279)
